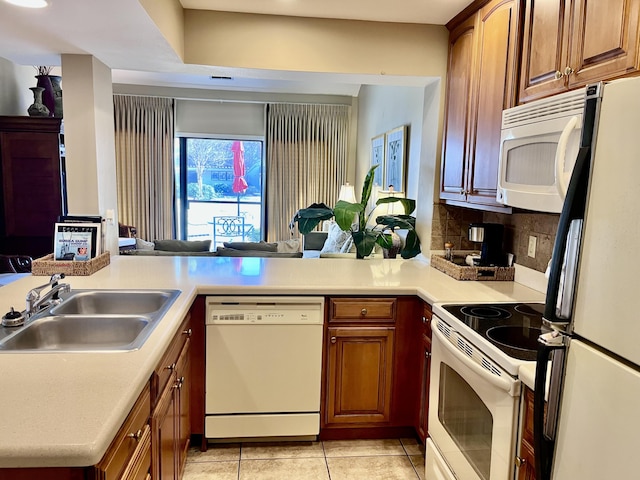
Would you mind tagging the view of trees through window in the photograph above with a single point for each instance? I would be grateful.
(222, 190)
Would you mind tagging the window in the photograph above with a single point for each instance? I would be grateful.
(220, 189)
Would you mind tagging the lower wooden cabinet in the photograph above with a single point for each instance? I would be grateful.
(526, 459)
(425, 366)
(170, 422)
(129, 455)
(360, 375)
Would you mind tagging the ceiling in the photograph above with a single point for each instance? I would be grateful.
(120, 34)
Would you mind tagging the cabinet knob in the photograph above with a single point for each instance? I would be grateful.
(333, 339)
(558, 75)
(179, 383)
(520, 461)
(425, 319)
(136, 436)
(187, 332)
(427, 354)
(363, 312)
(568, 71)
(171, 367)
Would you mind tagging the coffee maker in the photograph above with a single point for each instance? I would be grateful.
(491, 235)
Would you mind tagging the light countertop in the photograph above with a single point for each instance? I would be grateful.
(63, 409)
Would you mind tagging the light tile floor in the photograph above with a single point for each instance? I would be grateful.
(401, 459)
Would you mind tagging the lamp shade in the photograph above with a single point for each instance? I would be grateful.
(347, 193)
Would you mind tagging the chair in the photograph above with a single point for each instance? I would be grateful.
(15, 263)
(229, 228)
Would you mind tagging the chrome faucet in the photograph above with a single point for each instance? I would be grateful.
(35, 303)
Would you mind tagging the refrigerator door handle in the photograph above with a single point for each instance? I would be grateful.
(572, 209)
(561, 155)
(569, 271)
(552, 345)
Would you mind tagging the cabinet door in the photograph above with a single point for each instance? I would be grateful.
(604, 41)
(163, 426)
(459, 102)
(544, 49)
(424, 388)
(526, 459)
(496, 84)
(360, 371)
(182, 394)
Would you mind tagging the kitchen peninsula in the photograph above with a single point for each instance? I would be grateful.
(64, 409)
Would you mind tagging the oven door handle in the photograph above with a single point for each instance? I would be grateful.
(507, 384)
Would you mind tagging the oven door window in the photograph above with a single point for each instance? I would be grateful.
(467, 420)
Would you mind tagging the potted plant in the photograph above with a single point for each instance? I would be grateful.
(365, 237)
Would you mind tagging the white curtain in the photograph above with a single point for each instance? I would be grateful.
(307, 149)
(144, 133)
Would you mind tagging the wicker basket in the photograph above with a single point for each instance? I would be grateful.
(460, 272)
(48, 266)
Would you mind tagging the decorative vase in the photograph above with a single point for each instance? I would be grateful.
(47, 95)
(38, 109)
(56, 83)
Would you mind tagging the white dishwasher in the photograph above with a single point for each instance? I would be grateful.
(263, 366)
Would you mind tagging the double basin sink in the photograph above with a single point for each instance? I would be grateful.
(92, 321)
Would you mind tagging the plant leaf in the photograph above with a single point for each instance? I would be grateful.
(385, 240)
(408, 204)
(308, 218)
(405, 222)
(345, 213)
(411, 245)
(364, 241)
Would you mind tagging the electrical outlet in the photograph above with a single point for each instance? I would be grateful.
(532, 246)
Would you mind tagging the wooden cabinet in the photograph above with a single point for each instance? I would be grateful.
(481, 82)
(570, 43)
(425, 365)
(360, 374)
(371, 376)
(129, 456)
(359, 361)
(32, 184)
(526, 459)
(170, 422)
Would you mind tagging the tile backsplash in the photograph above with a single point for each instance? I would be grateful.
(450, 224)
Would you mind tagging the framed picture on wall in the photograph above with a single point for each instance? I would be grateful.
(395, 159)
(377, 158)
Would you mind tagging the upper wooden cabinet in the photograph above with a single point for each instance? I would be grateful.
(481, 82)
(568, 44)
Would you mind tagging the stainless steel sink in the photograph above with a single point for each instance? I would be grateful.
(118, 302)
(79, 333)
(92, 321)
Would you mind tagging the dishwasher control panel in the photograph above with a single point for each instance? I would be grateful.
(264, 310)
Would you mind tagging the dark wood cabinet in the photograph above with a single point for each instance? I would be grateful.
(481, 82)
(570, 43)
(525, 461)
(371, 377)
(422, 423)
(32, 184)
(170, 422)
(360, 375)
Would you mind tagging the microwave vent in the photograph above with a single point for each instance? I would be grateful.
(562, 105)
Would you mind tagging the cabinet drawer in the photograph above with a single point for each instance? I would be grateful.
(167, 365)
(128, 443)
(350, 310)
(140, 463)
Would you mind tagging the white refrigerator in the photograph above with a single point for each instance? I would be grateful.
(592, 426)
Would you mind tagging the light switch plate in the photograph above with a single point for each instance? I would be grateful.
(532, 246)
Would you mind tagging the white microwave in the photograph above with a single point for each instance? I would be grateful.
(538, 147)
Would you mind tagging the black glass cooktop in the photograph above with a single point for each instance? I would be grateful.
(514, 328)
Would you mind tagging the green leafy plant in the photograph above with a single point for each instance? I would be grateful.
(364, 237)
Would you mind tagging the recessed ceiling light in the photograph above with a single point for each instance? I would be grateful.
(29, 3)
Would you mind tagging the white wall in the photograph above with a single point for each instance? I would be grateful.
(15, 80)
(382, 108)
